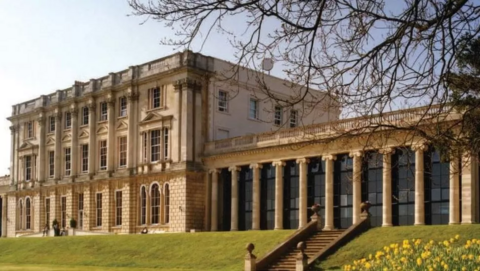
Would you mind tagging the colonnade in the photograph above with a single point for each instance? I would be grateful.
(468, 173)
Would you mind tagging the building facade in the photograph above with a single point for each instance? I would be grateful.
(124, 151)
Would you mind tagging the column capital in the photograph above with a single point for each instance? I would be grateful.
(331, 157)
(386, 151)
(73, 109)
(278, 163)
(421, 146)
(110, 100)
(57, 114)
(303, 160)
(356, 154)
(91, 104)
(13, 129)
(256, 166)
(213, 171)
(132, 96)
(234, 168)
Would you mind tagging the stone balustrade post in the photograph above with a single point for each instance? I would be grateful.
(301, 262)
(250, 259)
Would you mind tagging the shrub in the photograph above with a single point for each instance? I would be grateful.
(418, 255)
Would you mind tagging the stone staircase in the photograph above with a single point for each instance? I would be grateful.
(314, 244)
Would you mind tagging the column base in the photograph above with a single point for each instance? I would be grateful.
(327, 228)
(278, 228)
(454, 223)
(233, 229)
(467, 223)
(419, 224)
(387, 225)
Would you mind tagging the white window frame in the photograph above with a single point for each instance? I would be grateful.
(156, 101)
(278, 115)
(68, 161)
(103, 151)
(166, 143)
(28, 168)
(222, 104)
(51, 164)
(122, 102)
(293, 118)
(84, 158)
(103, 111)
(68, 120)
(29, 130)
(85, 115)
(122, 152)
(253, 102)
(51, 125)
(158, 144)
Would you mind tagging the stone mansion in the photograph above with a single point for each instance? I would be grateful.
(177, 144)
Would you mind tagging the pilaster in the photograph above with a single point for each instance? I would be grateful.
(13, 164)
(75, 147)
(58, 144)
(111, 133)
(92, 150)
(469, 186)
(41, 153)
(214, 213)
(131, 142)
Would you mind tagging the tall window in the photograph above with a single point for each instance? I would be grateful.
(28, 214)
(293, 118)
(403, 187)
(123, 107)
(68, 120)
(222, 101)
(29, 129)
(155, 97)
(372, 185)
(437, 188)
(80, 210)
(291, 195)
(28, 168)
(165, 143)
(245, 195)
(342, 192)
(20, 216)
(278, 116)
(316, 186)
(122, 151)
(47, 211)
(64, 212)
(155, 145)
(103, 155)
(267, 197)
(85, 115)
(167, 203)
(143, 206)
(85, 158)
(51, 124)
(155, 204)
(103, 111)
(99, 210)
(51, 164)
(118, 208)
(68, 165)
(253, 110)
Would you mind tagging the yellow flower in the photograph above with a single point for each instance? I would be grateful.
(419, 261)
(457, 236)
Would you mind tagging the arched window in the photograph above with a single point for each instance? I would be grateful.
(155, 204)
(20, 217)
(143, 206)
(167, 203)
(27, 213)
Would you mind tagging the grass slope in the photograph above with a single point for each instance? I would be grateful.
(376, 238)
(182, 251)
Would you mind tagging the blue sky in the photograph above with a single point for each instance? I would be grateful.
(47, 45)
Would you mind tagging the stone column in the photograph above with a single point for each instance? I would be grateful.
(454, 204)
(419, 183)
(387, 186)
(41, 148)
(58, 144)
(469, 180)
(4, 215)
(75, 147)
(92, 150)
(234, 223)
(303, 166)
(329, 191)
(256, 196)
(187, 120)
(357, 184)
(111, 134)
(13, 161)
(132, 103)
(278, 194)
(214, 223)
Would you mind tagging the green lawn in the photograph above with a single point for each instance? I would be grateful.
(376, 238)
(180, 251)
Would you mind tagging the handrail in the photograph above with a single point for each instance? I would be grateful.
(282, 248)
(353, 231)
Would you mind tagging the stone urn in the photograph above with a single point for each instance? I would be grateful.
(315, 208)
(364, 206)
